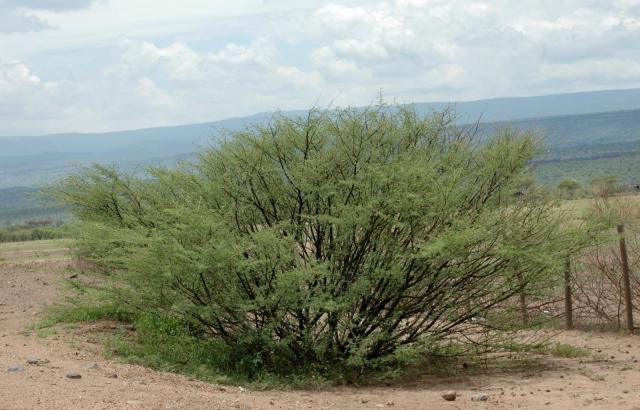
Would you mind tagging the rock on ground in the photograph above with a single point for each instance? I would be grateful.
(449, 395)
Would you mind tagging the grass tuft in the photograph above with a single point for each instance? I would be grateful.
(566, 350)
(77, 314)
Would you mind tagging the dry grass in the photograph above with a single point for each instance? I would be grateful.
(30, 251)
(580, 206)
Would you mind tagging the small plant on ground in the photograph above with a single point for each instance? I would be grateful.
(567, 351)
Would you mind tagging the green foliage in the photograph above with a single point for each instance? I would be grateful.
(23, 233)
(335, 243)
(80, 313)
(569, 188)
(626, 167)
(605, 185)
(566, 351)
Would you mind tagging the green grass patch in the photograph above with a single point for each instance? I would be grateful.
(166, 344)
(76, 314)
(46, 332)
(566, 350)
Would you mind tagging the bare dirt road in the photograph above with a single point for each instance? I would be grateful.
(610, 381)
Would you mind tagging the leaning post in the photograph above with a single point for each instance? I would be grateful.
(625, 279)
(568, 302)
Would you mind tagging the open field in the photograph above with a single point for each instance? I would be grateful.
(608, 377)
(46, 250)
(583, 204)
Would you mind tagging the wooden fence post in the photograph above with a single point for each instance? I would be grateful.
(626, 280)
(568, 302)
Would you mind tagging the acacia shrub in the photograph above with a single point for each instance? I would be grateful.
(339, 241)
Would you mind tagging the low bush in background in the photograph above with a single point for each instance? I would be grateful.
(30, 232)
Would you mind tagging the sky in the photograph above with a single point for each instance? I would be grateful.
(102, 65)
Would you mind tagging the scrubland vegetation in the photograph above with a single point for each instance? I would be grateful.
(341, 246)
(338, 245)
(36, 230)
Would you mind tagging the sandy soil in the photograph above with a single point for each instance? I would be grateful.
(609, 382)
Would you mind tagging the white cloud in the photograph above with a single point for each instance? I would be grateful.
(135, 63)
(14, 21)
(334, 67)
(206, 85)
(153, 94)
(18, 83)
(149, 85)
(486, 48)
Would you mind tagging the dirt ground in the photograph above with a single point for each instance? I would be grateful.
(609, 380)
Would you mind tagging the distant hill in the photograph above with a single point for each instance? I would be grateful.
(516, 108)
(572, 131)
(166, 141)
(585, 146)
(21, 204)
(586, 133)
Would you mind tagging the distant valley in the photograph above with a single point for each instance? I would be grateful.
(586, 135)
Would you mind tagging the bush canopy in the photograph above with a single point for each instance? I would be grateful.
(340, 241)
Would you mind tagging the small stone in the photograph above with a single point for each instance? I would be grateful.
(73, 376)
(33, 360)
(112, 376)
(91, 366)
(14, 368)
(480, 397)
(364, 401)
(449, 395)
(390, 403)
